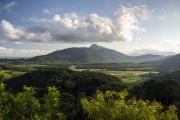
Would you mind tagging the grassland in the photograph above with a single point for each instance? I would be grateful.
(126, 76)
(11, 73)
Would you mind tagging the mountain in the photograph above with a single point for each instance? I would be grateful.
(96, 47)
(148, 58)
(93, 54)
(171, 63)
(137, 53)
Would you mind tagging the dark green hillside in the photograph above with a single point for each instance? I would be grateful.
(167, 92)
(66, 80)
(172, 63)
(94, 54)
(175, 75)
(73, 86)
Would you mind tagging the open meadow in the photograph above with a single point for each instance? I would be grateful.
(127, 76)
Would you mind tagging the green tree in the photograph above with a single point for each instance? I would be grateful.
(25, 104)
(1, 76)
(4, 107)
(52, 104)
(114, 106)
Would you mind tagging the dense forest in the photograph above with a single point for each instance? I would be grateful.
(66, 94)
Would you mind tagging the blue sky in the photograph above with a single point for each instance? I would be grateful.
(34, 27)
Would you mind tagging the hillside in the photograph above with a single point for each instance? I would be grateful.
(171, 63)
(148, 58)
(93, 54)
(65, 80)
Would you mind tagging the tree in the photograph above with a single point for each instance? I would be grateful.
(24, 105)
(52, 104)
(114, 106)
(4, 108)
(1, 76)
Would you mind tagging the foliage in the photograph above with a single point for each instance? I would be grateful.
(72, 84)
(114, 106)
(65, 80)
(1, 76)
(164, 91)
(25, 105)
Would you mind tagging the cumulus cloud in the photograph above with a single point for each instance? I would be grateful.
(73, 28)
(6, 52)
(10, 32)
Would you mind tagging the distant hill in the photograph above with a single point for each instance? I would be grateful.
(171, 63)
(148, 58)
(93, 54)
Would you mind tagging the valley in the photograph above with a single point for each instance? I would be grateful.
(89, 60)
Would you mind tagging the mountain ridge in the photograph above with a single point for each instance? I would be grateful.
(92, 54)
(170, 63)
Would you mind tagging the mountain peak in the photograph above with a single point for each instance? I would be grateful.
(96, 47)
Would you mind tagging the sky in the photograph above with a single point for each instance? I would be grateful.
(134, 27)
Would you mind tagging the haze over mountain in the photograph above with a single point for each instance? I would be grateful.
(93, 54)
(171, 63)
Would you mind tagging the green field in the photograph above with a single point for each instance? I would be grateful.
(126, 76)
(11, 73)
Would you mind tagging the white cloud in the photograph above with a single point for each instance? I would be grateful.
(36, 19)
(46, 11)
(73, 28)
(8, 7)
(156, 50)
(175, 13)
(51, 11)
(6, 52)
(173, 46)
(163, 18)
(18, 42)
(71, 16)
(10, 32)
(3, 41)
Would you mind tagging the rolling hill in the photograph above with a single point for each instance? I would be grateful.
(93, 54)
(172, 63)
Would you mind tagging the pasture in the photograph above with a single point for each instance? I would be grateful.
(127, 76)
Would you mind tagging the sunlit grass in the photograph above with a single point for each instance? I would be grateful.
(126, 76)
(11, 73)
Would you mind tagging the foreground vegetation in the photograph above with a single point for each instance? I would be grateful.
(114, 106)
(79, 88)
(25, 106)
(109, 106)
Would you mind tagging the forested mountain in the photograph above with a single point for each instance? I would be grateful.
(93, 54)
(172, 63)
(66, 80)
